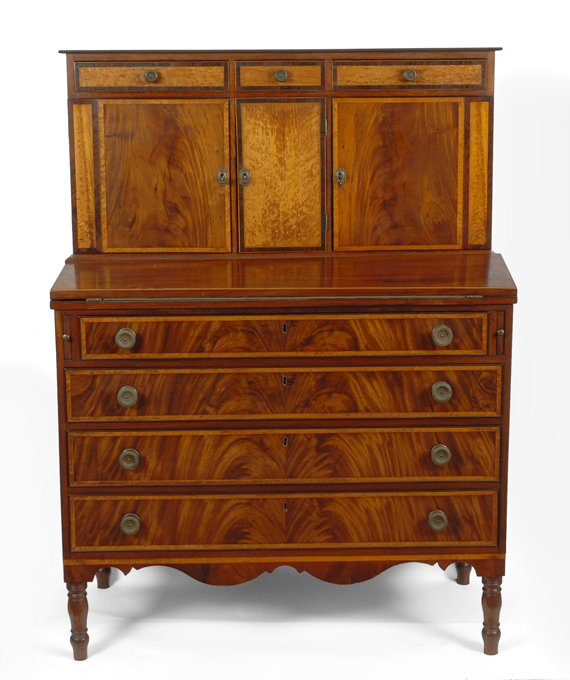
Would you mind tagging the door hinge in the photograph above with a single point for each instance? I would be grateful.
(326, 222)
(326, 127)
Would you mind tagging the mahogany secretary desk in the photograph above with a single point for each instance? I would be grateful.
(282, 337)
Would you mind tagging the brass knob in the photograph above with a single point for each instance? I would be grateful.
(281, 75)
(151, 76)
(125, 338)
(222, 177)
(501, 331)
(440, 454)
(410, 74)
(129, 459)
(66, 337)
(437, 520)
(441, 392)
(244, 177)
(442, 335)
(340, 176)
(130, 524)
(127, 396)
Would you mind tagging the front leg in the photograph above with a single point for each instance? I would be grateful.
(463, 571)
(77, 608)
(491, 609)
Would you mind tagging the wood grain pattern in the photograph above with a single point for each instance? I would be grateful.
(281, 143)
(244, 394)
(340, 520)
(263, 75)
(478, 172)
(404, 165)
(126, 77)
(159, 162)
(286, 335)
(299, 456)
(390, 75)
(84, 177)
(393, 275)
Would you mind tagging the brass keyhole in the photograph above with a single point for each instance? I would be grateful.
(285, 507)
(285, 442)
(284, 328)
(284, 381)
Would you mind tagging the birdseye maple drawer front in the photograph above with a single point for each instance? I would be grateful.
(178, 337)
(242, 394)
(417, 75)
(148, 76)
(299, 456)
(280, 75)
(283, 521)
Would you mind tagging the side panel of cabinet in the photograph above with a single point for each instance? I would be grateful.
(281, 144)
(159, 163)
(404, 161)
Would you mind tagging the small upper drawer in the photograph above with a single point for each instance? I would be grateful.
(310, 335)
(162, 76)
(288, 75)
(417, 75)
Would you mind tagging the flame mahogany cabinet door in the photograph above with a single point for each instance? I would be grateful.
(281, 175)
(403, 164)
(159, 175)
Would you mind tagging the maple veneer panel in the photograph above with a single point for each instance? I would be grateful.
(404, 164)
(281, 144)
(159, 161)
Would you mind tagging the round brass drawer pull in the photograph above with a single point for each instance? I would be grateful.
(130, 524)
(151, 76)
(125, 338)
(442, 335)
(127, 396)
(281, 75)
(129, 459)
(437, 520)
(440, 454)
(441, 392)
(410, 74)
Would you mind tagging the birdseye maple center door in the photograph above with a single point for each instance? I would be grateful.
(281, 174)
(398, 173)
(160, 187)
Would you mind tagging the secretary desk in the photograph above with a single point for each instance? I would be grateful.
(282, 337)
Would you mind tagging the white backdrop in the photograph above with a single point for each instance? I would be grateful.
(412, 621)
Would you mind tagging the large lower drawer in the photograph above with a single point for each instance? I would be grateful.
(309, 335)
(184, 394)
(278, 521)
(282, 456)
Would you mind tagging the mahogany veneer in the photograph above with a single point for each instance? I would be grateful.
(282, 338)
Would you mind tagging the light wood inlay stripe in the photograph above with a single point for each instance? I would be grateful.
(392, 75)
(478, 172)
(84, 176)
(134, 76)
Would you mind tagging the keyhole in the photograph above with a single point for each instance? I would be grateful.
(284, 328)
(285, 442)
(285, 507)
(285, 381)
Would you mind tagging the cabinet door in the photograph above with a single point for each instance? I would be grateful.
(281, 200)
(159, 182)
(403, 161)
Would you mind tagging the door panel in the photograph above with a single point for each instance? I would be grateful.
(281, 144)
(404, 173)
(159, 188)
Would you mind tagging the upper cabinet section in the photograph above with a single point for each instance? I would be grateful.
(274, 151)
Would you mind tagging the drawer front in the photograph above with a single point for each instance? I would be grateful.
(150, 76)
(350, 335)
(283, 521)
(242, 394)
(418, 75)
(299, 456)
(282, 75)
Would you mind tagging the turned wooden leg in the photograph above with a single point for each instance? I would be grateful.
(103, 577)
(77, 608)
(463, 572)
(491, 609)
